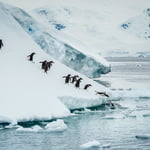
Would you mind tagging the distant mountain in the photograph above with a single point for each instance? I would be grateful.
(108, 28)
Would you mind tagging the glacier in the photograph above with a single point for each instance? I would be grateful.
(29, 94)
(96, 25)
(84, 63)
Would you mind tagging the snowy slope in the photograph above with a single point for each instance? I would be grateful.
(27, 92)
(73, 57)
(95, 25)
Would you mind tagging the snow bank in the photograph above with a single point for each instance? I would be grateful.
(56, 126)
(92, 144)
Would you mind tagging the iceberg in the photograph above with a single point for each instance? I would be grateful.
(56, 126)
(29, 94)
(91, 144)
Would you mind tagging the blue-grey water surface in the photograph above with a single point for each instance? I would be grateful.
(117, 128)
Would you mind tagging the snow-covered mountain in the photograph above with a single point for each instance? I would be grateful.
(27, 93)
(109, 28)
(73, 57)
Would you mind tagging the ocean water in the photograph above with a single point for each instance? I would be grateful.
(125, 128)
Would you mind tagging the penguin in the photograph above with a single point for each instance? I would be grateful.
(49, 63)
(86, 86)
(1, 43)
(74, 78)
(31, 56)
(46, 68)
(112, 106)
(43, 64)
(67, 78)
(102, 93)
(77, 84)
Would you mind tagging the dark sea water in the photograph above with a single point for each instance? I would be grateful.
(123, 128)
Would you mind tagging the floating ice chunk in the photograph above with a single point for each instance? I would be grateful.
(92, 144)
(106, 145)
(114, 117)
(146, 115)
(144, 136)
(56, 126)
(35, 128)
(12, 126)
(131, 116)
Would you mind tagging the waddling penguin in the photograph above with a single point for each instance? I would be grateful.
(1, 43)
(74, 78)
(86, 86)
(46, 68)
(112, 106)
(31, 56)
(49, 63)
(102, 93)
(67, 78)
(77, 85)
(43, 64)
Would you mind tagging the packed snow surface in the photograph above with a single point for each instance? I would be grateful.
(27, 93)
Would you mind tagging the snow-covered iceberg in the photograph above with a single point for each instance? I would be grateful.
(56, 126)
(63, 52)
(27, 93)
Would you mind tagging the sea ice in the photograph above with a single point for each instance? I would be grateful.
(56, 126)
(35, 128)
(91, 144)
(144, 136)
